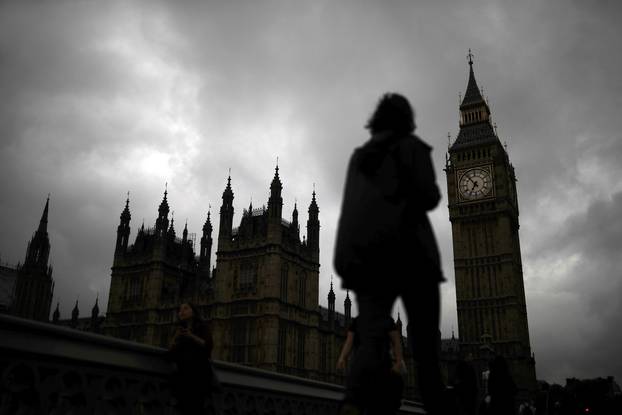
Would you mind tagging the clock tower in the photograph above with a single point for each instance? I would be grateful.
(483, 210)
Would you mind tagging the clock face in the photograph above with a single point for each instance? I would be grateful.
(475, 183)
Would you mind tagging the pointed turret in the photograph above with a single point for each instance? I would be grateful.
(75, 313)
(331, 297)
(206, 247)
(185, 233)
(398, 323)
(171, 229)
(347, 307)
(95, 309)
(56, 315)
(123, 230)
(275, 202)
(331, 304)
(295, 225)
(313, 228)
(226, 216)
(162, 220)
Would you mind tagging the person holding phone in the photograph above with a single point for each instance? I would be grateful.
(191, 349)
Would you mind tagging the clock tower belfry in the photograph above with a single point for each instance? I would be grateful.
(483, 210)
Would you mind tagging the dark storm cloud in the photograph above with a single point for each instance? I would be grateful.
(583, 311)
(98, 100)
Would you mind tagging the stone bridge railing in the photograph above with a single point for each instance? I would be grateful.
(46, 369)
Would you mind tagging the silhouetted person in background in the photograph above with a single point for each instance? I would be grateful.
(465, 385)
(386, 248)
(191, 349)
(501, 388)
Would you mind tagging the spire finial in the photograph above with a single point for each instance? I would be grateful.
(165, 189)
(470, 57)
(43, 223)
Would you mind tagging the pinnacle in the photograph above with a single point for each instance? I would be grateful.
(43, 224)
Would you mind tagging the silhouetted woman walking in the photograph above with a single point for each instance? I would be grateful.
(191, 350)
(501, 388)
(386, 249)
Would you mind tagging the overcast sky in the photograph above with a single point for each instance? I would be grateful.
(100, 99)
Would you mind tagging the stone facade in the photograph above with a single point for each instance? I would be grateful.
(483, 210)
(261, 297)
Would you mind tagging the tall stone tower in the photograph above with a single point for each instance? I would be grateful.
(152, 277)
(34, 285)
(483, 210)
(265, 307)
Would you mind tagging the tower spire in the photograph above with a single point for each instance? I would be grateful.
(163, 209)
(38, 250)
(347, 306)
(473, 94)
(43, 223)
(226, 215)
(313, 226)
(475, 118)
(275, 202)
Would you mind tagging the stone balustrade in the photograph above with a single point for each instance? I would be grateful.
(47, 369)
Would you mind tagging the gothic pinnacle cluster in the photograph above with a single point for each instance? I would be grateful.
(268, 221)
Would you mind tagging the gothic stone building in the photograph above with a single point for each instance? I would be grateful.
(261, 297)
(34, 285)
(483, 210)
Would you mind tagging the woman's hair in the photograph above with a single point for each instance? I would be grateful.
(393, 113)
(196, 314)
